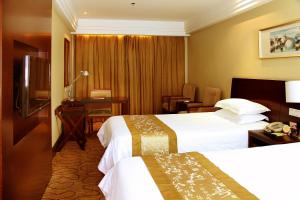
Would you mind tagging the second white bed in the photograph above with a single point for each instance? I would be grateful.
(202, 132)
(267, 172)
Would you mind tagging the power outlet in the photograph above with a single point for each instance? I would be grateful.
(294, 112)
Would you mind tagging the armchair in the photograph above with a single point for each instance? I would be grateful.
(210, 98)
(169, 102)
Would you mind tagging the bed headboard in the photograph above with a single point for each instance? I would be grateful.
(270, 93)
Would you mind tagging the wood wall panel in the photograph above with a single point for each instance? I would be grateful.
(27, 164)
(1, 146)
(270, 93)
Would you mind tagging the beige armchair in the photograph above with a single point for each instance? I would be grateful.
(98, 112)
(210, 97)
(169, 102)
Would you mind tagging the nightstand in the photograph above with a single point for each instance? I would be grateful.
(259, 138)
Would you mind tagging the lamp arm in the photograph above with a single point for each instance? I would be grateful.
(75, 79)
(69, 89)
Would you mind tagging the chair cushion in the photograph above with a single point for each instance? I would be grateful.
(165, 106)
(189, 91)
(100, 93)
(100, 112)
(211, 96)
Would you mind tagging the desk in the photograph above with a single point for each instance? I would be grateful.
(94, 102)
(73, 116)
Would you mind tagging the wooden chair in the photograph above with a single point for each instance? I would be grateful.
(169, 102)
(72, 116)
(98, 113)
(210, 97)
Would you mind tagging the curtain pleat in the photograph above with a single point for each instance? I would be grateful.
(142, 68)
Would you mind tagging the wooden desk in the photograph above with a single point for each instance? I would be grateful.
(72, 115)
(74, 126)
(94, 102)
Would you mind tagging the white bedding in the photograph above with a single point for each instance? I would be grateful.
(200, 132)
(267, 172)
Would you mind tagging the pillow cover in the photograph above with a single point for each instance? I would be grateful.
(241, 106)
(241, 119)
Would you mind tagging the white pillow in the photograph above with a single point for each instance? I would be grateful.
(241, 106)
(241, 119)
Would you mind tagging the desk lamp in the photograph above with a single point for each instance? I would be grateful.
(69, 89)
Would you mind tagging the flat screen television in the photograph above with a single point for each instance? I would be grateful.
(31, 84)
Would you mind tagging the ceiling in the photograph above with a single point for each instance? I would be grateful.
(165, 10)
(194, 14)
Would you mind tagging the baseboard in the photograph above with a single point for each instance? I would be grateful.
(55, 148)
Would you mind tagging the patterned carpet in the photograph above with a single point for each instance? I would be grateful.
(74, 172)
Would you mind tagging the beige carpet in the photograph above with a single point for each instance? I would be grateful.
(75, 174)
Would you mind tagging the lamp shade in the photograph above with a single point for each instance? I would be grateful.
(292, 91)
(84, 73)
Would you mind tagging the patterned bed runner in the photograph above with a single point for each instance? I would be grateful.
(192, 176)
(150, 135)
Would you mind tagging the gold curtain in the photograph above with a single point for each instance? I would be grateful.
(142, 68)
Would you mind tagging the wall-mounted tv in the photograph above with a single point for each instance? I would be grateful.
(32, 84)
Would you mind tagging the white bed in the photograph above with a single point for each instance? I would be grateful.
(200, 132)
(267, 172)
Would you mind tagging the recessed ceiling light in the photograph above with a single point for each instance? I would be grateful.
(133, 3)
(85, 12)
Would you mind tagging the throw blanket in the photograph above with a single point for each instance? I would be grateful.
(150, 135)
(192, 176)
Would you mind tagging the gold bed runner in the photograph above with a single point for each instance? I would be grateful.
(192, 176)
(150, 135)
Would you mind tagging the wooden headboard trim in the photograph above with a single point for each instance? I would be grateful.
(270, 93)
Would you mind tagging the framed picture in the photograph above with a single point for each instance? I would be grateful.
(67, 56)
(280, 41)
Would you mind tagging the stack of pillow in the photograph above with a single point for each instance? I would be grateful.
(241, 111)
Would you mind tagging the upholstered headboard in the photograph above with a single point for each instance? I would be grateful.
(270, 93)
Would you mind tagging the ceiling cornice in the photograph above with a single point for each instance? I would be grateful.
(66, 9)
(130, 27)
(220, 14)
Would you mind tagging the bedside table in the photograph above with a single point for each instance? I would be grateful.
(259, 138)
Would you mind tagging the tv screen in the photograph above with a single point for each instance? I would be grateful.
(32, 78)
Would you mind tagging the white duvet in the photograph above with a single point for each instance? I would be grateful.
(200, 132)
(270, 173)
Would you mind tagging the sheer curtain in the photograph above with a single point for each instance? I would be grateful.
(142, 68)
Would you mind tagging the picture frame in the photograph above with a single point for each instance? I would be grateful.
(67, 62)
(280, 41)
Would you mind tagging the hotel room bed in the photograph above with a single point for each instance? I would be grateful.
(269, 172)
(201, 132)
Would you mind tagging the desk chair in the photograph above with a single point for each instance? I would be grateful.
(169, 102)
(100, 112)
